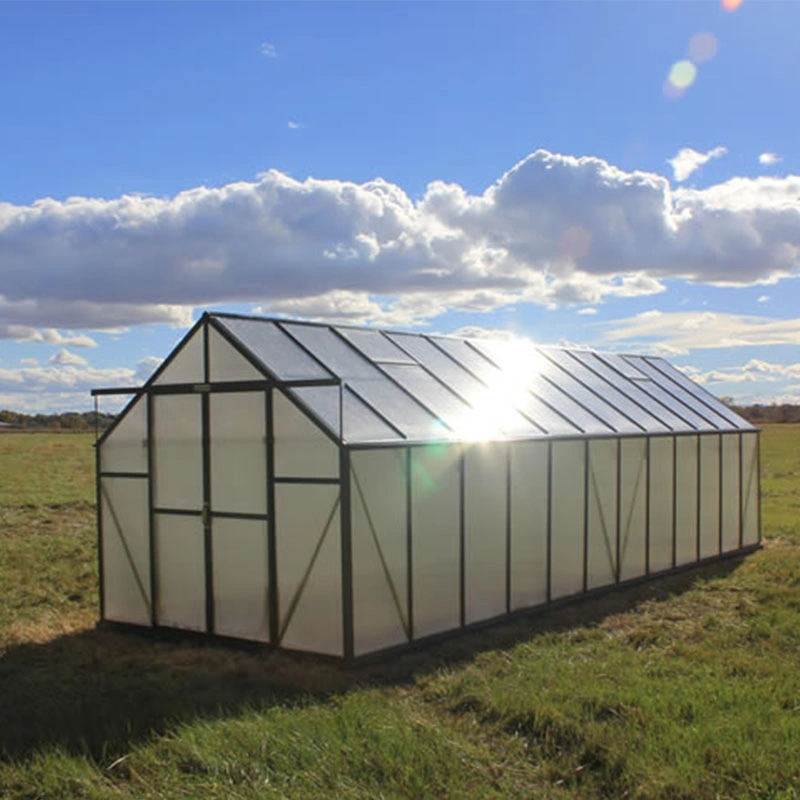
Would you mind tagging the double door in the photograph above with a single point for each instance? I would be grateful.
(209, 481)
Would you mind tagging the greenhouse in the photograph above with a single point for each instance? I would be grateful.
(344, 491)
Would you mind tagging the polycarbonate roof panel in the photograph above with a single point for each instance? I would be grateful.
(274, 349)
(414, 387)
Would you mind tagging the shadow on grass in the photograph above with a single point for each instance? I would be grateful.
(100, 691)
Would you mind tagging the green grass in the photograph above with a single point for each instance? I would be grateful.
(687, 688)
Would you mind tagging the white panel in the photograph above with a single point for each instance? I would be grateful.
(528, 524)
(177, 452)
(730, 492)
(633, 509)
(180, 572)
(750, 469)
(435, 493)
(485, 531)
(686, 500)
(125, 448)
(380, 476)
(126, 550)
(302, 513)
(301, 449)
(225, 363)
(602, 554)
(187, 365)
(661, 463)
(709, 496)
(238, 452)
(567, 519)
(241, 579)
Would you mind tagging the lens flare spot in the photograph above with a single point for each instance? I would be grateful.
(731, 5)
(702, 47)
(682, 74)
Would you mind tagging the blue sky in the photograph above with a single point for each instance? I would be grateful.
(522, 167)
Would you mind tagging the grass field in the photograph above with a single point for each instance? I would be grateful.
(689, 688)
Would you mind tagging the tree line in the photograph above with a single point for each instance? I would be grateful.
(67, 421)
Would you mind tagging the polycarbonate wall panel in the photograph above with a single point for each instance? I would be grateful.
(661, 511)
(241, 581)
(730, 492)
(633, 508)
(368, 382)
(188, 365)
(226, 363)
(567, 518)
(180, 572)
(685, 499)
(301, 448)
(750, 467)
(485, 510)
(435, 493)
(126, 550)
(284, 357)
(529, 489)
(177, 452)
(125, 448)
(709, 495)
(602, 543)
(380, 548)
(309, 564)
(238, 452)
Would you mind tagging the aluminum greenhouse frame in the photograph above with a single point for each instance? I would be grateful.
(346, 491)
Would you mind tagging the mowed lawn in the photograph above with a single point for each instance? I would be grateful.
(688, 688)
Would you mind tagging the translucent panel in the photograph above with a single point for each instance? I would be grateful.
(620, 364)
(633, 508)
(601, 557)
(274, 349)
(565, 405)
(485, 511)
(709, 496)
(529, 486)
(126, 550)
(177, 451)
(380, 548)
(187, 364)
(437, 398)
(708, 420)
(706, 398)
(301, 448)
(226, 363)
(376, 346)
(180, 572)
(661, 512)
(750, 479)
(238, 452)
(241, 579)
(607, 390)
(469, 357)
(435, 529)
(323, 403)
(368, 382)
(362, 424)
(730, 492)
(685, 499)
(632, 389)
(309, 567)
(567, 519)
(125, 448)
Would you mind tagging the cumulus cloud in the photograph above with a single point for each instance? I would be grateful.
(682, 331)
(689, 160)
(63, 358)
(145, 368)
(754, 371)
(768, 159)
(25, 333)
(269, 50)
(553, 229)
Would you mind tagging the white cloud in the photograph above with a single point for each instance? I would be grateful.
(29, 362)
(688, 161)
(683, 331)
(145, 368)
(587, 311)
(754, 371)
(269, 50)
(554, 229)
(25, 333)
(63, 358)
(769, 159)
(764, 298)
(292, 125)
